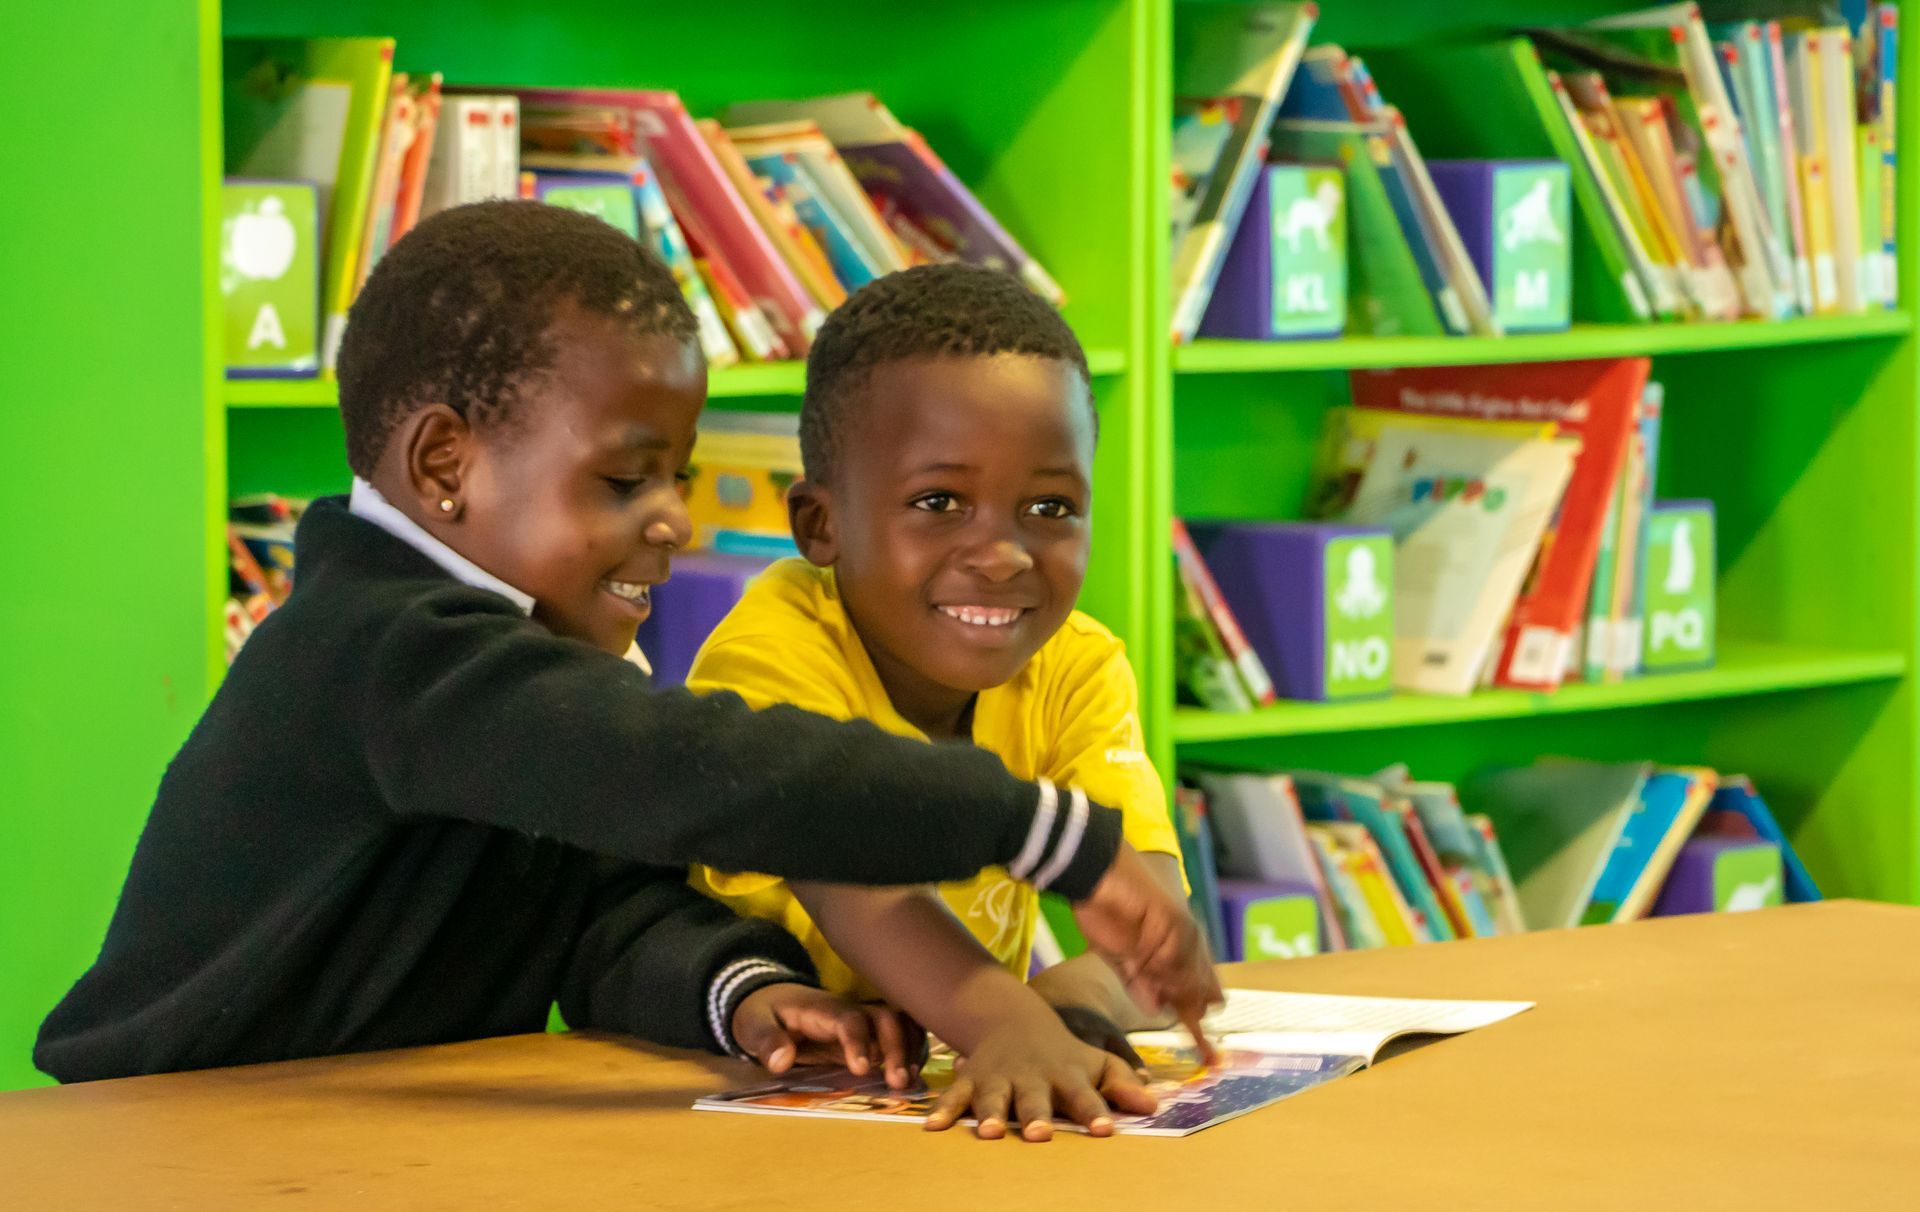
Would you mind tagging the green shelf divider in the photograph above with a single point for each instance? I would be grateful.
(1580, 341)
(1743, 669)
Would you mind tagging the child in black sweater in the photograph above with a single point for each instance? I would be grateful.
(431, 797)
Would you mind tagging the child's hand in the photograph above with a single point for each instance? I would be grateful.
(787, 1024)
(1031, 1069)
(1151, 940)
(1089, 1026)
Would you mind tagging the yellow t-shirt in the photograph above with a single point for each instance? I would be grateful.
(1071, 715)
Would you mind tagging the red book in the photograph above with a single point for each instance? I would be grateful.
(1594, 401)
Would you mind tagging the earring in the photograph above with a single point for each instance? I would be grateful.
(446, 504)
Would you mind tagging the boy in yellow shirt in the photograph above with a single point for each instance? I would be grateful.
(947, 435)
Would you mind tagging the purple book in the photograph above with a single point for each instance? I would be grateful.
(704, 586)
(907, 181)
(1314, 599)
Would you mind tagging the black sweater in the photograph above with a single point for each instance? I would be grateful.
(413, 815)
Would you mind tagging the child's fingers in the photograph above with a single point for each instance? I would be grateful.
(1208, 1053)
(1033, 1106)
(851, 1028)
(1083, 1105)
(1123, 1089)
(990, 1107)
(951, 1105)
(892, 1039)
(765, 1041)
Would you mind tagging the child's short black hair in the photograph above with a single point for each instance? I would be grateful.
(458, 313)
(928, 311)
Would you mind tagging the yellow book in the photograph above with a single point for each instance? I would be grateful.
(1818, 205)
(1369, 871)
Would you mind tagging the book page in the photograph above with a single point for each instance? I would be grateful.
(1327, 1025)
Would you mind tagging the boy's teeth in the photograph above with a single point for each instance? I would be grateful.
(982, 616)
(633, 591)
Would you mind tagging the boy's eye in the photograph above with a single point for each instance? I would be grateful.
(936, 502)
(623, 485)
(1053, 507)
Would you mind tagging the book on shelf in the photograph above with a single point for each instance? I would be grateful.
(312, 110)
(1219, 663)
(1390, 860)
(1233, 66)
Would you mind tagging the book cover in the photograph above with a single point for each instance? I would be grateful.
(851, 265)
(1202, 129)
(1791, 164)
(1560, 822)
(1203, 670)
(460, 164)
(1243, 52)
(1383, 898)
(1671, 804)
(398, 127)
(1505, 895)
(311, 110)
(1593, 401)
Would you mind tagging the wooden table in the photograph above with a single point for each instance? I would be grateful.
(1760, 1060)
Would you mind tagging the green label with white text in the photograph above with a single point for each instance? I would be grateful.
(1358, 580)
(1532, 267)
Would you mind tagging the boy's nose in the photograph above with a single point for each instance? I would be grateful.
(999, 560)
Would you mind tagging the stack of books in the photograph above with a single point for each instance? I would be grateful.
(1527, 545)
(259, 562)
(1289, 864)
(1743, 168)
(769, 217)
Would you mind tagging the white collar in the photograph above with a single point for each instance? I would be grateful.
(367, 503)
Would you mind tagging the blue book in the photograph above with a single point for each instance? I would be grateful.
(1670, 805)
(1314, 92)
(850, 263)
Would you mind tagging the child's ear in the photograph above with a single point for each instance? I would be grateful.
(439, 448)
(810, 513)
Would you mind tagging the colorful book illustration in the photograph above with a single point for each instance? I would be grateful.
(742, 466)
(920, 197)
(1467, 509)
(1325, 797)
(1246, 56)
(828, 175)
(1593, 401)
(312, 111)
(1275, 1045)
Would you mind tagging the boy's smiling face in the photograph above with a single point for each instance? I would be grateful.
(956, 521)
(573, 498)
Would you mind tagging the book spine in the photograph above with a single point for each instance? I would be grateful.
(1652, 402)
(1889, 58)
(1633, 269)
(506, 146)
(1790, 167)
(1254, 674)
(1843, 170)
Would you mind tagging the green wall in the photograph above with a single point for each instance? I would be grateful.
(103, 598)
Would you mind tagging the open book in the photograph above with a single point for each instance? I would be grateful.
(1273, 1045)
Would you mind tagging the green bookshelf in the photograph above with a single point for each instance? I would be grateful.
(1802, 431)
